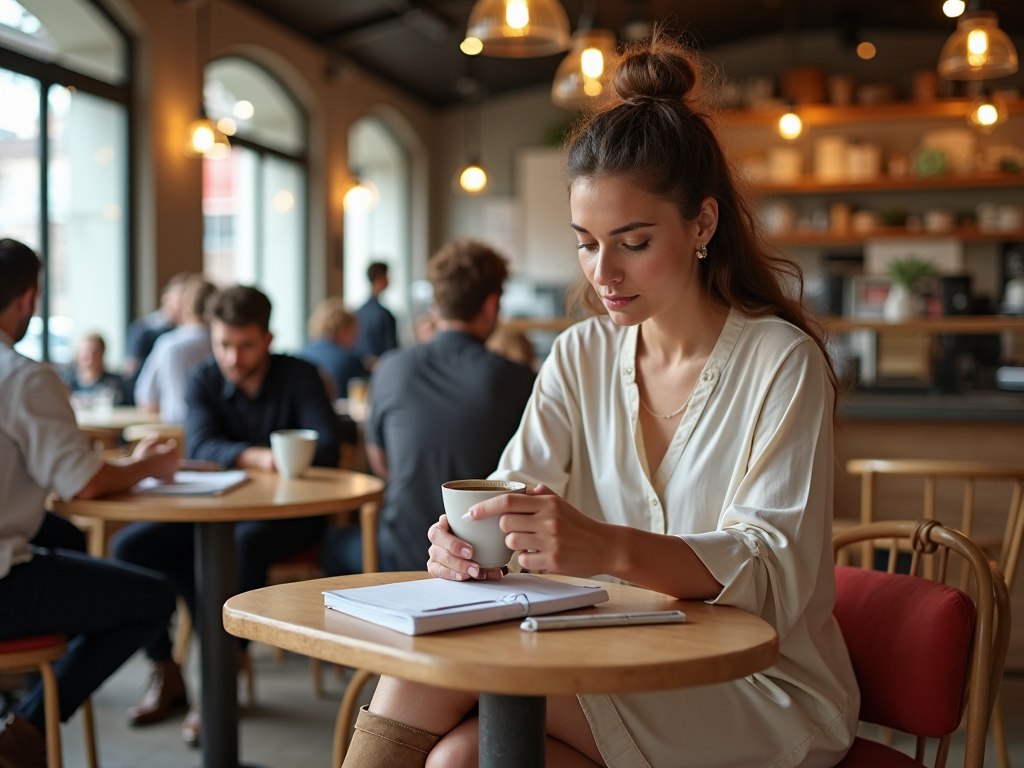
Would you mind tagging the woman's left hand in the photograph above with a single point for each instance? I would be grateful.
(551, 534)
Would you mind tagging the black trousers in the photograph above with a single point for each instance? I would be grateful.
(170, 549)
(107, 610)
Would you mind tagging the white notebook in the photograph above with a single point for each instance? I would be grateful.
(189, 483)
(433, 605)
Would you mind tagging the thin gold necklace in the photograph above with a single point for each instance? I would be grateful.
(678, 410)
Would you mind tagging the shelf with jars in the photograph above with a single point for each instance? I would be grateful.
(963, 234)
(807, 185)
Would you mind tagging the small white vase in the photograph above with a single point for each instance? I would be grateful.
(899, 305)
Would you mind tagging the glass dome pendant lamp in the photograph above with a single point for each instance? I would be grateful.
(583, 79)
(204, 138)
(517, 29)
(978, 49)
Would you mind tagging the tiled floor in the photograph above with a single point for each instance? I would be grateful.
(289, 728)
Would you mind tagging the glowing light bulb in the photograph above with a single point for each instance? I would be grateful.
(977, 47)
(592, 63)
(471, 46)
(473, 179)
(986, 114)
(361, 198)
(283, 201)
(592, 88)
(227, 126)
(866, 50)
(790, 125)
(953, 8)
(202, 139)
(517, 13)
(243, 109)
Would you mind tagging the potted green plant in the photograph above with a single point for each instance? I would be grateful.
(905, 274)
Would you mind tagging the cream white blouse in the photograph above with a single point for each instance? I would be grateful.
(747, 483)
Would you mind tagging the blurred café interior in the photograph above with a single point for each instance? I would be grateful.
(290, 144)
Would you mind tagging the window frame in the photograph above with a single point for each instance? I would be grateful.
(48, 74)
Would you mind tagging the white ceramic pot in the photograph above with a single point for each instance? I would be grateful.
(899, 305)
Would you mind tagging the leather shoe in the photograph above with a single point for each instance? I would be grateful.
(22, 745)
(166, 694)
(191, 728)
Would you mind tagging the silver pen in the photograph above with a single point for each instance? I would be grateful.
(602, 620)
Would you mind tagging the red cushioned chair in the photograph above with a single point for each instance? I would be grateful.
(39, 653)
(922, 650)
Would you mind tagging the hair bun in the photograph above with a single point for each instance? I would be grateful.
(658, 69)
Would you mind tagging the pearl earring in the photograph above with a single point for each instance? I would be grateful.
(702, 251)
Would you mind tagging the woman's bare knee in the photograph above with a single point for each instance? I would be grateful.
(459, 749)
(435, 710)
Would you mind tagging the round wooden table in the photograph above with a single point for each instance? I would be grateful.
(264, 497)
(115, 418)
(515, 670)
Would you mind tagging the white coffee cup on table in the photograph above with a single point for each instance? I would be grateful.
(293, 450)
(485, 536)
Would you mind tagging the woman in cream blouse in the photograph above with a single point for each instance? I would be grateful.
(681, 441)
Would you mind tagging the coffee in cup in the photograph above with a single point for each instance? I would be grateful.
(293, 450)
(485, 536)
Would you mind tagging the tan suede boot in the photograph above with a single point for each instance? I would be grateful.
(382, 743)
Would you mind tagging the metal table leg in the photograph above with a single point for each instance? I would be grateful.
(513, 731)
(215, 583)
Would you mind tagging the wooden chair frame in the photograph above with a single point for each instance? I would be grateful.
(42, 659)
(931, 470)
(992, 627)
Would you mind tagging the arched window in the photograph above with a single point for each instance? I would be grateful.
(381, 234)
(254, 200)
(64, 191)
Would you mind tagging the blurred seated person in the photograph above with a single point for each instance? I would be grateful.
(107, 610)
(513, 345)
(439, 411)
(88, 379)
(143, 332)
(234, 402)
(378, 330)
(332, 337)
(161, 382)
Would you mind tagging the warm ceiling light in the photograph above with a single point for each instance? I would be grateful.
(471, 46)
(471, 179)
(978, 50)
(204, 139)
(227, 126)
(954, 8)
(986, 113)
(361, 198)
(585, 74)
(283, 201)
(519, 28)
(790, 125)
(243, 109)
(866, 50)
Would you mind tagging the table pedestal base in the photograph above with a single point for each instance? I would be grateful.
(513, 731)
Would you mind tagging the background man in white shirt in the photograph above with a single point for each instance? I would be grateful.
(107, 610)
(161, 382)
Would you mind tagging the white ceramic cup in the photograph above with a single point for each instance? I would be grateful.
(485, 536)
(293, 450)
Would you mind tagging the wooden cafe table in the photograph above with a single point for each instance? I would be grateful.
(265, 496)
(515, 670)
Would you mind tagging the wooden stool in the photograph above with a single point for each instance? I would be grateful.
(39, 653)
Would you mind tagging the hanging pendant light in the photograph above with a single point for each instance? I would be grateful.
(471, 178)
(517, 29)
(583, 79)
(204, 138)
(987, 112)
(362, 197)
(978, 50)
(790, 125)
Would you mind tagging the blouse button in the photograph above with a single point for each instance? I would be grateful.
(654, 501)
(709, 375)
(627, 371)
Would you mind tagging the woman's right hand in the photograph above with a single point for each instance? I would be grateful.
(451, 557)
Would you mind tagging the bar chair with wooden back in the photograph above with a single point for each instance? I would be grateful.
(38, 654)
(970, 473)
(922, 650)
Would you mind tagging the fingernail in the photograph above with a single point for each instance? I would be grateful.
(468, 515)
(459, 576)
(474, 571)
(467, 552)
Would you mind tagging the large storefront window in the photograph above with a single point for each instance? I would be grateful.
(254, 200)
(64, 192)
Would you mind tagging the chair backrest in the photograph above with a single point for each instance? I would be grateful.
(970, 472)
(921, 649)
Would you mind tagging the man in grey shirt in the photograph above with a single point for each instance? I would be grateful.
(107, 611)
(439, 411)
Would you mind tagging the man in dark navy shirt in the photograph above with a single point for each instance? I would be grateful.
(234, 402)
(439, 411)
(378, 332)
